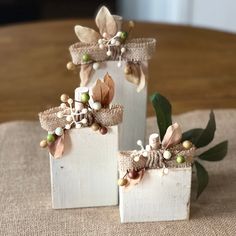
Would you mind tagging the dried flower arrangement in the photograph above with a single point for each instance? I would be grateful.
(171, 149)
(91, 109)
(111, 43)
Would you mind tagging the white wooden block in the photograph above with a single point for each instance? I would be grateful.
(134, 117)
(157, 197)
(86, 175)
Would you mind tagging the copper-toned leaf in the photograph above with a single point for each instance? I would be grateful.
(56, 149)
(96, 91)
(142, 79)
(85, 74)
(86, 35)
(133, 182)
(173, 136)
(106, 22)
(132, 72)
(110, 83)
(100, 93)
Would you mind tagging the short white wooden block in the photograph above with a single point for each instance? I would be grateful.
(134, 118)
(157, 197)
(86, 175)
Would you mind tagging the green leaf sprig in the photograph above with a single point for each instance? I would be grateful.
(198, 136)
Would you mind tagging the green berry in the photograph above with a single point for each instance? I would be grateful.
(84, 97)
(123, 35)
(86, 57)
(50, 138)
(180, 159)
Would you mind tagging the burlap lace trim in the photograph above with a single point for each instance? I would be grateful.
(105, 117)
(139, 49)
(109, 117)
(155, 159)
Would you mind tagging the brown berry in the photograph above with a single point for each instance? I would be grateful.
(64, 97)
(133, 174)
(122, 182)
(187, 144)
(70, 65)
(103, 130)
(95, 126)
(43, 143)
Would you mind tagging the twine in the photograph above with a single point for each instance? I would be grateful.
(140, 49)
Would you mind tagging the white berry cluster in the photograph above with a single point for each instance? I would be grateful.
(115, 41)
(71, 113)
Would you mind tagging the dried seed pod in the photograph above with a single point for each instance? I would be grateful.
(43, 143)
(70, 66)
(187, 144)
(122, 182)
(95, 126)
(64, 97)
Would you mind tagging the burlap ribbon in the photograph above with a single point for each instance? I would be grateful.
(155, 159)
(140, 49)
(109, 117)
(105, 117)
(49, 120)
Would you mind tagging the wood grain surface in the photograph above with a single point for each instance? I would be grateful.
(194, 68)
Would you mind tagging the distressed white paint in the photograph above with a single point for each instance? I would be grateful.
(134, 117)
(86, 176)
(157, 198)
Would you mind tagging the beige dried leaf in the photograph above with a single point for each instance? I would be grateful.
(86, 35)
(173, 135)
(100, 93)
(56, 149)
(106, 22)
(142, 79)
(110, 83)
(132, 72)
(85, 74)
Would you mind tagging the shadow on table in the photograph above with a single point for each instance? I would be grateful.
(218, 199)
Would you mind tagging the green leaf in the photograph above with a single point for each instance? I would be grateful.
(208, 133)
(216, 153)
(192, 135)
(202, 178)
(163, 112)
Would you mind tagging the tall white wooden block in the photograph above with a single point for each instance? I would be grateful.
(157, 197)
(134, 118)
(86, 175)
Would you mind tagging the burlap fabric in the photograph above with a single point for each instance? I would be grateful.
(109, 117)
(140, 49)
(25, 204)
(154, 159)
(105, 117)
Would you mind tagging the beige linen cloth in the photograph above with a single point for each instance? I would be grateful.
(25, 203)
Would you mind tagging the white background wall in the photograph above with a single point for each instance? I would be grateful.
(217, 14)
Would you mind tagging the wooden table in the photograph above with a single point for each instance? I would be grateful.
(194, 68)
